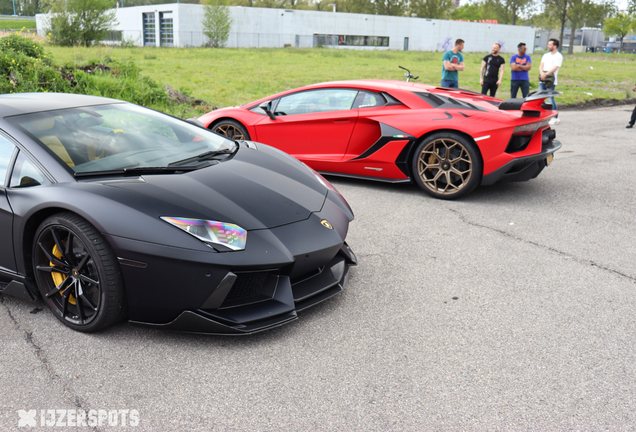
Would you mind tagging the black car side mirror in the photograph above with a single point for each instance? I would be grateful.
(195, 122)
(265, 107)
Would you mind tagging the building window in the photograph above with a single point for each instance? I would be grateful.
(166, 30)
(351, 40)
(150, 37)
(113, 36)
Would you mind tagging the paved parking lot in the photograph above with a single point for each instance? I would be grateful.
(511, 309)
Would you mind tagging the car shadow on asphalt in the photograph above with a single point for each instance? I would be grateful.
(307, 320)
(499, 193)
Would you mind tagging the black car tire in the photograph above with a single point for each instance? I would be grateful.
(87, 291)
(447, 165)
(231, 129)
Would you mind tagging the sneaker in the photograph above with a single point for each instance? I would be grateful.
(555, 121)
(629, 126)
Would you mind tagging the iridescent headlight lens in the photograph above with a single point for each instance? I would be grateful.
(221, 233)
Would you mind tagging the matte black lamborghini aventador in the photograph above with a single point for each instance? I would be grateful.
(109, 210)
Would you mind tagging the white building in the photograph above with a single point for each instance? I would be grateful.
(180, 25)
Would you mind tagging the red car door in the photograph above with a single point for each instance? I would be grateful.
(372, 108)
(312, 124)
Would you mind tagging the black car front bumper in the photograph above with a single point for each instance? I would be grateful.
(272, 302)
(281, 271)
(523, 168)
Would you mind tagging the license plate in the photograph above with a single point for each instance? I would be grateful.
(548, 160)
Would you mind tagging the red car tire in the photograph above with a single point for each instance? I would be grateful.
(231, 129)
(447, 165)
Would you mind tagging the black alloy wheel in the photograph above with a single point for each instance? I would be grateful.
(447, 165)
(231, 129)
(77, 273)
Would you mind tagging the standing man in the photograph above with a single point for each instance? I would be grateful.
(633, 119)
(520, 63)
(493, 64)
(550, 64)
(453, 63)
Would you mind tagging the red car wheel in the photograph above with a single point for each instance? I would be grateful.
(447, 166)
(231, 129)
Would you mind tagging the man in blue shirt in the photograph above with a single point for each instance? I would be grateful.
(520, 63)
(453, 62)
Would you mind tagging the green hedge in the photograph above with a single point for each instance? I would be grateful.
(25, 67)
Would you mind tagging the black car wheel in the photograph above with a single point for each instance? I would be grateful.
(447, 165)
(77, 273)
(231, 129)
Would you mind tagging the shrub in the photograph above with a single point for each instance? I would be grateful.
(120, 80)
(24, 67)
(80, 21)
(25, 45)
(217, 21)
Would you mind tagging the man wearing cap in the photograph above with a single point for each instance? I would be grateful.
(520, 64)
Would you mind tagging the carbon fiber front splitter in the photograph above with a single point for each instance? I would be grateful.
(281, 308)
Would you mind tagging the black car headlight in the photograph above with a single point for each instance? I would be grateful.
(213, 232)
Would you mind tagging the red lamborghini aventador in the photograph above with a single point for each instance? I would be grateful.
(448, 141)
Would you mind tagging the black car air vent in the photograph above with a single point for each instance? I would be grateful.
(445, 102)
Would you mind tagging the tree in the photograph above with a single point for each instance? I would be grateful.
(350, 6)
(469, 12)
(558, 9)
(217, 22)
(80, 21)
(506, 11)
(22, 7)
(577, 12)
(129, 3)
(390, 7)
(545, 21)
(586, 12)
(620, 25)
(434, 9)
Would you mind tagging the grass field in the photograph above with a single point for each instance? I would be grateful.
(225, 77)
(17, 24)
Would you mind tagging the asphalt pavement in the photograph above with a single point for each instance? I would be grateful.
(513, 308)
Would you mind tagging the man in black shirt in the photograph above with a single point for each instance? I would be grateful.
(493, 65)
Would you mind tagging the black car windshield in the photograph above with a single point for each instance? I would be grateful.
(122, 136)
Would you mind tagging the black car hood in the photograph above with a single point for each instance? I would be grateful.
(254, 189)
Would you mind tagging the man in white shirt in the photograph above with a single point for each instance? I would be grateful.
(550, 64)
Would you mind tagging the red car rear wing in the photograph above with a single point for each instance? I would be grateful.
(532, 105)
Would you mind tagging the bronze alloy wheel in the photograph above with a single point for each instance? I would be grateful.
(231, 129)
(447, 166)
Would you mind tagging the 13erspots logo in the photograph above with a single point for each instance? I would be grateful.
(77, 417)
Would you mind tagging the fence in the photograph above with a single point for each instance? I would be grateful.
(17, 17)
(185, 39)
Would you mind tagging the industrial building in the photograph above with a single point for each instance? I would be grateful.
(180, 25)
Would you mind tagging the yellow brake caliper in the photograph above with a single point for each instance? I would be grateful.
(58, 278)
